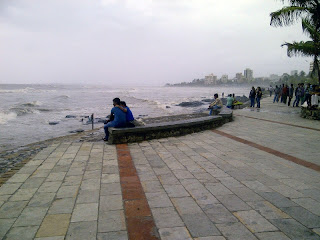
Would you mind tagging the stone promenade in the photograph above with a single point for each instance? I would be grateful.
(255, 178)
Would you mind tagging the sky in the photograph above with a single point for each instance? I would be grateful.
(141, 42)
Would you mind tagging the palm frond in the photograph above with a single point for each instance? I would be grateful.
(315, 68)
(301, 48)
(300, 3)
(286, 16)
(309, 29)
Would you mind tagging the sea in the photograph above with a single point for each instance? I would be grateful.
(28, 112)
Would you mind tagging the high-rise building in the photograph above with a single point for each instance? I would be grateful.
(210, 79)
(248, 74)
(239, 76)
(224, 78)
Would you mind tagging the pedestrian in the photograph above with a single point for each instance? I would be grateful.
(302, 93)
(285, 91)
(276, 94)
(270, 90)
(291, 90)
(308, 95)
(230, 100)
(297, 94)
(252, 96)
(280, 93)
(259, 95)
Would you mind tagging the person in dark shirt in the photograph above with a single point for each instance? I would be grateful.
(259, 96)
(119, 118)
(129, 116)
(291, 91)
(252, 96)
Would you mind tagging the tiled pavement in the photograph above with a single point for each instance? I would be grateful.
(202, 186)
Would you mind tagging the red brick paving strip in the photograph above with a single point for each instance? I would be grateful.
(140, 223)
(272, 151)
(288, 124)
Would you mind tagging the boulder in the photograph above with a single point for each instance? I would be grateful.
(190, 104)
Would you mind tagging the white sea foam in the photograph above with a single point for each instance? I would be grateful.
(6, 117)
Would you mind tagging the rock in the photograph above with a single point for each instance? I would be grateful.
(168, 107)
(54, 123)
(76, 131)
(71, 116)
(208, 100)
(190, 104)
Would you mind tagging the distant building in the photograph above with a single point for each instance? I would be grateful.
(294, 72)
(274, 78)
(248, 74)
(210, 79)
(224, 78)
(239, 76)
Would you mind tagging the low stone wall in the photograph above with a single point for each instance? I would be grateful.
(167, 129)
(310, 114)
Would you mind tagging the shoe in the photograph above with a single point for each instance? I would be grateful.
(105, 139)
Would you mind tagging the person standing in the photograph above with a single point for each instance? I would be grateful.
(259, 95)
(284, 94)
(302, 93)
(297, 95)
(291, 90)
(252, 96)
(276, 94)
(119, 120)
(270, 90)
(280, 93)
(230, 100)
(308, 95)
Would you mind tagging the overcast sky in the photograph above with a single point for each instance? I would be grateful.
(141, 41)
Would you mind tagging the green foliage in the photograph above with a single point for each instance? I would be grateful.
(308, 11)
(297, 78)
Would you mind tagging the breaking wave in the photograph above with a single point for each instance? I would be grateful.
(6, 117)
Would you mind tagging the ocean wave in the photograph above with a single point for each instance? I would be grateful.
(24, 111)
(25, 90)
(6, 117)
(32, 104)
(28, 108)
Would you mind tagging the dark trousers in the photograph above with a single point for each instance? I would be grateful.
(290, 97)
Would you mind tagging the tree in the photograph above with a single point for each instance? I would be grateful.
(309, 13)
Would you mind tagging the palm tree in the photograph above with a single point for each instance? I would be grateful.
(309, 13)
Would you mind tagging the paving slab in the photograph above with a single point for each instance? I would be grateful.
(205, 186)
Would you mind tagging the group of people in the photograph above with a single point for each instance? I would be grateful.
(217, 103)
(255, 95)
(121, 117)
(285, 93)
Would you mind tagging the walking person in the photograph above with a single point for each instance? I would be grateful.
(259, 95)
(291, 90)
(297, 95)
(252, 96)
(276, 94)
(281, 93)
(302, 93)
(284, 94)
(308, 95)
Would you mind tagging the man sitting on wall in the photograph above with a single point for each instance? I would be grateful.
(119, 120)
(215, 105)
(129, 116)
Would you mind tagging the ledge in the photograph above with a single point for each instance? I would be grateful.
(168, 129)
